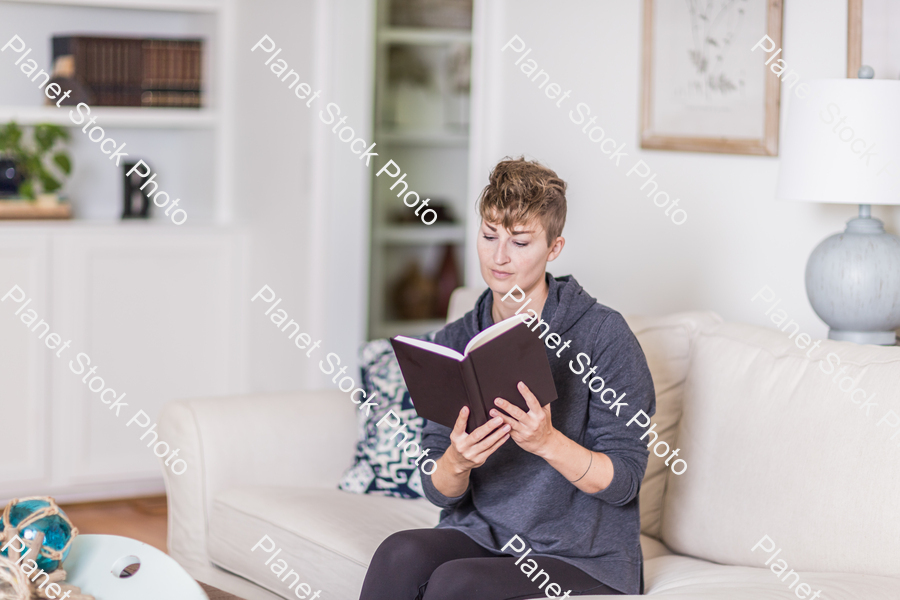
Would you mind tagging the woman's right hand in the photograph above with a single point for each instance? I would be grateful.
(468, 451)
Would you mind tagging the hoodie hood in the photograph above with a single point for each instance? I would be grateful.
(566, 303)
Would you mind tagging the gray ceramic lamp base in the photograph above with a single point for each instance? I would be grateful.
(853, 283)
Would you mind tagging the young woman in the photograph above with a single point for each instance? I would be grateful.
(563, 478)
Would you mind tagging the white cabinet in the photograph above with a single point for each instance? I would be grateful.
(24, 385)
(155, 307)
(156, 310)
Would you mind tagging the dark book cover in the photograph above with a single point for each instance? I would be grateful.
(116, 71)
(442, 381)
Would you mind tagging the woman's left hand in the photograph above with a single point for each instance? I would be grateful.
(533, 430)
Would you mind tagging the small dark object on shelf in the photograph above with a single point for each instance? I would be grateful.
(11, 178)
(444, 215)
(414, 294)
(42, 160)
(64, 77)
(444, 14)
(137, 201)
(448, 279)
(406, 66)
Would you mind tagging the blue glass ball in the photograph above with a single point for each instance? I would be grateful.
(56, 528)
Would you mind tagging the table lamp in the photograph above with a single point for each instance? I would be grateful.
(841, 145)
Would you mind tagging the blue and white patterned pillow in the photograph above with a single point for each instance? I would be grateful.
(380, 467)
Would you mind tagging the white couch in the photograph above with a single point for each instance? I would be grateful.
(774, 448)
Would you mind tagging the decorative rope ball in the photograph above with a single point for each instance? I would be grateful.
(13, 584)
(29, 516)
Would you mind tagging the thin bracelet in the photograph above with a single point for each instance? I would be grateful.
(586, 470)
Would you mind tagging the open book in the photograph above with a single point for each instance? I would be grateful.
(441, 380)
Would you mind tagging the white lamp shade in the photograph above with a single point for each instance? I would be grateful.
(841, 143)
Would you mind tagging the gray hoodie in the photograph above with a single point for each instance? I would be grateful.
(518, 493)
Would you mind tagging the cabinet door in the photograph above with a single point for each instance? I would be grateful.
(155, 313)
(23, 360)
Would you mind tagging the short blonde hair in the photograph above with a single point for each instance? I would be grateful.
(521, 191)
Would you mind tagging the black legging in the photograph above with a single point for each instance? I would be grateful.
(445, 564)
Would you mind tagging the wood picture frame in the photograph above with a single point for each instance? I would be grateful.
(870, 32)
(854, 37)
(679, 106)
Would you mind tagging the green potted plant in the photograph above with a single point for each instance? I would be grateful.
(43, 160)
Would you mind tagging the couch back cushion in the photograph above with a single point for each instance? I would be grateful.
(780, 443)
(666, 342)
(381, 466)
(462, 300)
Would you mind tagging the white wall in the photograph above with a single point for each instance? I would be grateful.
(302, 195)
(620, 246)
(272, 166)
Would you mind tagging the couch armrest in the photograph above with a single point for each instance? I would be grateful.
(288, 439)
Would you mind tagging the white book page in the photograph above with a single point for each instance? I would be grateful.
(436, 348)
(492, 332)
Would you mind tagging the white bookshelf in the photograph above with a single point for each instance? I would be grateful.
(210, 6)
(436, 160)
(191, 149)
(417, 234)
(114, 116)
(419, 35)
(423, 138)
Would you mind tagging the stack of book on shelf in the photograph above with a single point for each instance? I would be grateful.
(111, 71)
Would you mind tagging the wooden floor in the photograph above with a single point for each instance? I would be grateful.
(141, 519)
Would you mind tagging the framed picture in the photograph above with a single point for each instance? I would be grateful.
(704, 88)
(869, 43)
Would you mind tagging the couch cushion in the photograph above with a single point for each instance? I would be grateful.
(652, 547)
(775, 447)
(326, 535)
(462, 300)
(380, 466)
(666, 342)
(683, 578)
